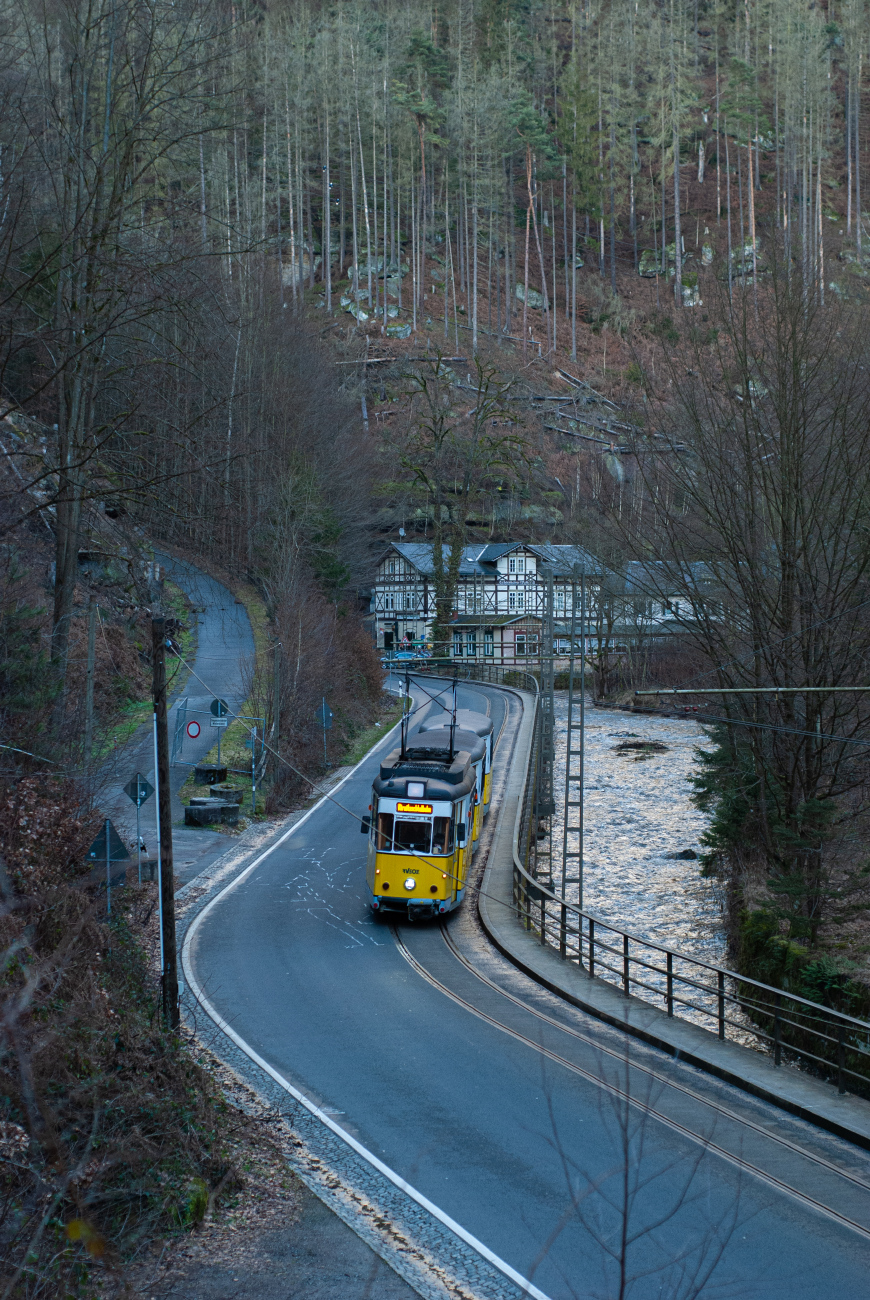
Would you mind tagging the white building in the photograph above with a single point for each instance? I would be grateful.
(501, 597)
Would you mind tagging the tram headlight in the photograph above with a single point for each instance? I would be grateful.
(410, 884)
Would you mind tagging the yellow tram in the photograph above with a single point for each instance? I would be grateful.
(481, 726)
(420, 827)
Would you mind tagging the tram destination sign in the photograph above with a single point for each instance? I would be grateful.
(414, 807)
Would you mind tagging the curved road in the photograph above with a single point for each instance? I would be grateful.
(584, 1162)
(224, 657)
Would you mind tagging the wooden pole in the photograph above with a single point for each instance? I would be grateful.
(169, 973)
(89, 682)
(276, 696)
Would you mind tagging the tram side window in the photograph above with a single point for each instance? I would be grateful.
(385, 832)
(442, 835)
(413, 835)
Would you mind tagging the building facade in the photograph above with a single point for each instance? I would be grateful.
(501, 600)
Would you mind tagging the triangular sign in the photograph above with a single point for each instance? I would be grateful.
(117, 851)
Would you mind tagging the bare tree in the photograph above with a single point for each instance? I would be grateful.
(755, 497)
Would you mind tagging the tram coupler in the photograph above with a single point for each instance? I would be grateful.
(423, 910)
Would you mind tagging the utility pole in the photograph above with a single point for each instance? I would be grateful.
(169, 972)
(276, 697)
(89, 682)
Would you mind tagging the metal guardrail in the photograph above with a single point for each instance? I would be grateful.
(783, 1025)
(473, 671)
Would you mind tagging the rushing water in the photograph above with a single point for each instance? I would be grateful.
(638, 814)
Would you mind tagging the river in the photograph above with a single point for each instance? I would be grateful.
(638, 814)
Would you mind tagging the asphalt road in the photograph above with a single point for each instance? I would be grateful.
(224, 655)
(506, 1108)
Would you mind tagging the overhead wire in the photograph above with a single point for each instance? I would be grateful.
(326, 793)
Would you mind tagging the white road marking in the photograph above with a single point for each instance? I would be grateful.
(528, 1288)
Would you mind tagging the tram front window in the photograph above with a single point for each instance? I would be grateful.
(413, 836)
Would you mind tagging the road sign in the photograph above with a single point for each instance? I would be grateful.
(139, 790)
(193, 729)
(117, 851)
(324, 716)
(220, 708)
(219, 722)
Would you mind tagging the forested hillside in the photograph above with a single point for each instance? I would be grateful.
(278, 280)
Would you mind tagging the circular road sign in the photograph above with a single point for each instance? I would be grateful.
(220, 708)
(193, 730)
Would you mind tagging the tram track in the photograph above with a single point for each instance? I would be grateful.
(710, 1105)
(446, 1135)
(642, 1105)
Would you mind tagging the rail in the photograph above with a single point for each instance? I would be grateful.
(782, 1024)
(785, 1026)
(470, 671)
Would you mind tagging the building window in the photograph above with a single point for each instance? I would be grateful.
(457, 645)
(389, 601)
(392, 567)
(409, 601)
(471, 644)
(526, 644)
(516, 564)
(488, 641)
(516, 601)
(560, 601)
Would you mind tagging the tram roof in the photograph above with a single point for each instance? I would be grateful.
(467, 719)
(444, 780)
(438, 738)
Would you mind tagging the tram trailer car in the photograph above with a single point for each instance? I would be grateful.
(420, 829)
(481, 725)
(471, 744)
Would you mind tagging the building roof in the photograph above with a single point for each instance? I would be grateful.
(481, 559)
(563, 557)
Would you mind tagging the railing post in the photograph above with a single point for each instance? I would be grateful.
(625, 975)
(841, 1059)
(563, 938)
(670, 983)
(591, 947)
(777, 1032)
(722, 1004)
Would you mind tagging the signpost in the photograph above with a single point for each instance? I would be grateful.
(220, 709)
(166, 877)
(139, 791)
(108, 846)
(324, 717)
